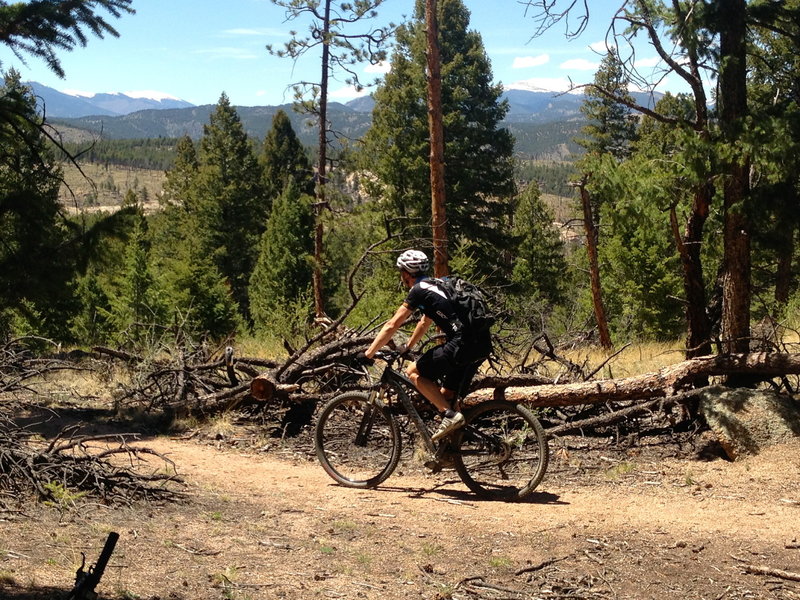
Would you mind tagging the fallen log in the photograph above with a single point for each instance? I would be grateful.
(665, 382)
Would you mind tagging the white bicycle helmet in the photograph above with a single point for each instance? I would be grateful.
(413, 261)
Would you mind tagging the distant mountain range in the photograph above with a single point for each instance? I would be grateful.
(544, 123)
(57, 104)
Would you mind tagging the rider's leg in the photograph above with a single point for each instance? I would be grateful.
(428, 388)
(433, 365)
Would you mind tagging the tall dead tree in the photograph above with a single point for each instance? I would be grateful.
(342, 50)
(436, 128)
(590, 228)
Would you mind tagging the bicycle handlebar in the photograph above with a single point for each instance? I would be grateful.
(388, 356)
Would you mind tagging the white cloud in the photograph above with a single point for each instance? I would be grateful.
(647, 62)
(382, 67)
(579, 64)
(347, 93)
(599, 47)
(525, 62)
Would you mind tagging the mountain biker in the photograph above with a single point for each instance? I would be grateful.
(453, 363)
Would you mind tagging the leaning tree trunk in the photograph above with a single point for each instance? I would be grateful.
(436, 128)
(594, 266)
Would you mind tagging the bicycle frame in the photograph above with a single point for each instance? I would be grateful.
(391, 377)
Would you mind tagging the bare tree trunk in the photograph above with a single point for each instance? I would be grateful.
(594, 266)
(698, 338)
(436, 128)
(733, 110)
(783, 273)
(322, 179)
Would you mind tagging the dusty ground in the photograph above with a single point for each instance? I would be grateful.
(664, 519)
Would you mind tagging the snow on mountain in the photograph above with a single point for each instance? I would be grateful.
(75, 103)
(151, 95)
(544, 86)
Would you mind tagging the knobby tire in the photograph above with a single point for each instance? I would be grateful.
(502, 451)
(357, 441)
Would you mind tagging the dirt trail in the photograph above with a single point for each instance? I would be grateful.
(604, 524)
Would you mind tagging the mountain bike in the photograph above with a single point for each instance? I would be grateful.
(501, 453)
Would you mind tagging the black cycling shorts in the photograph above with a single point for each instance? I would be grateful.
(454, 363)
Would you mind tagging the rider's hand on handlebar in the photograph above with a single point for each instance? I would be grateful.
(362, 359)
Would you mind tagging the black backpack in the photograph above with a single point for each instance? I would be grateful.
(471, 302)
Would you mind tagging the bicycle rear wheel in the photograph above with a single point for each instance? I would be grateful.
(357, 440)
(502, 451)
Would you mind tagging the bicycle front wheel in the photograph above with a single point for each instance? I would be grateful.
(502, 451)
(357, 440)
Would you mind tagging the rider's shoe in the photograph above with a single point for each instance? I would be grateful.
(448, 425)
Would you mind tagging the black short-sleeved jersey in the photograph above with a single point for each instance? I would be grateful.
(428, 297)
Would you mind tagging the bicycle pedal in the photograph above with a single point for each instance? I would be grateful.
(439, 463)
(434, 466)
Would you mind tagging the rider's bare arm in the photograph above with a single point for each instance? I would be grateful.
(388, 330)
(420, 330)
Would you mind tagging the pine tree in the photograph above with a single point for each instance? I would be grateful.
(231, 205)
(774, 90)
(200, 299)
(331, 31)
(284, 158)
(283, 272)
(197, 294)
(611, 128)
(179, 179)
(136, 304)
(92, 324)
(35, 260)
(478, 152)
(610, 132)
(539, 263)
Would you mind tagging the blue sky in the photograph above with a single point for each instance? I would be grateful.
(196, 49)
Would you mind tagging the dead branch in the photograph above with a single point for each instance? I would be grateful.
(19, 365)
(617, 416)
(770, 572)
(63, 473)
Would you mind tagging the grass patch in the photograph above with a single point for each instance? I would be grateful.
(430, 550)
(7, 578)
(499, 562)
(345, 526)
(619, 470)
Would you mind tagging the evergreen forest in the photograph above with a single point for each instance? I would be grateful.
(677, 222)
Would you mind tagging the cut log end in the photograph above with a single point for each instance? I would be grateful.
(261, 388)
